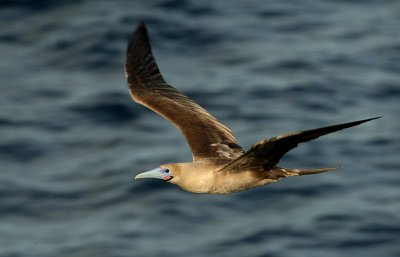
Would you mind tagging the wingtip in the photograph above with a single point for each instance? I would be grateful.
(140, 29)
(355, 123)
(138, 43)
(378, 117)
(141, 26)
(140, 62)
(366, 120)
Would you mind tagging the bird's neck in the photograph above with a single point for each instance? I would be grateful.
(195, 176)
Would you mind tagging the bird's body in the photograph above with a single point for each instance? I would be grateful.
(212, 178)
(219, 164)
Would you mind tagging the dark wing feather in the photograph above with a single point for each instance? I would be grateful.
(207, 137)
(267, 153)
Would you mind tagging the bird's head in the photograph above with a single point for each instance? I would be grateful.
(166, 172)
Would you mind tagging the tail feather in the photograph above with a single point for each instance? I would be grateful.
(301, 172)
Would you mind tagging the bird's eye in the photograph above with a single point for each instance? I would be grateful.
(166, 170)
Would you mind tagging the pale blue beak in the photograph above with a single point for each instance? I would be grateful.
(156, 173)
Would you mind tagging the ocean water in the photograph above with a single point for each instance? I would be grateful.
(72, 139)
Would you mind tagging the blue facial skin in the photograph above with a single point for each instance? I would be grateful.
(165, 172)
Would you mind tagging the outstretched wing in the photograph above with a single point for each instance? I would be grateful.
(267, 153)
(207, 137)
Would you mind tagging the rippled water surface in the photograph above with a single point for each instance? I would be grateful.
(72, 139)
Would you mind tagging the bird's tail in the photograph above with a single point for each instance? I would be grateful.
(301, 172)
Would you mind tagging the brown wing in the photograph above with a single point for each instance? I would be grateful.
(267, 153)
(207, 137)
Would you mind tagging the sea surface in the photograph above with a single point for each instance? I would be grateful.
(72, 139)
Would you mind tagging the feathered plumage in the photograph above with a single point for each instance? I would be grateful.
(219, 164)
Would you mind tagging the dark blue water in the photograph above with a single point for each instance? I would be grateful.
(72, 139)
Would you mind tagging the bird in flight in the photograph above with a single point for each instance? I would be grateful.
(219, 165)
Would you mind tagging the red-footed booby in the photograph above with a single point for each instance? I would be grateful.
(219, 164)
